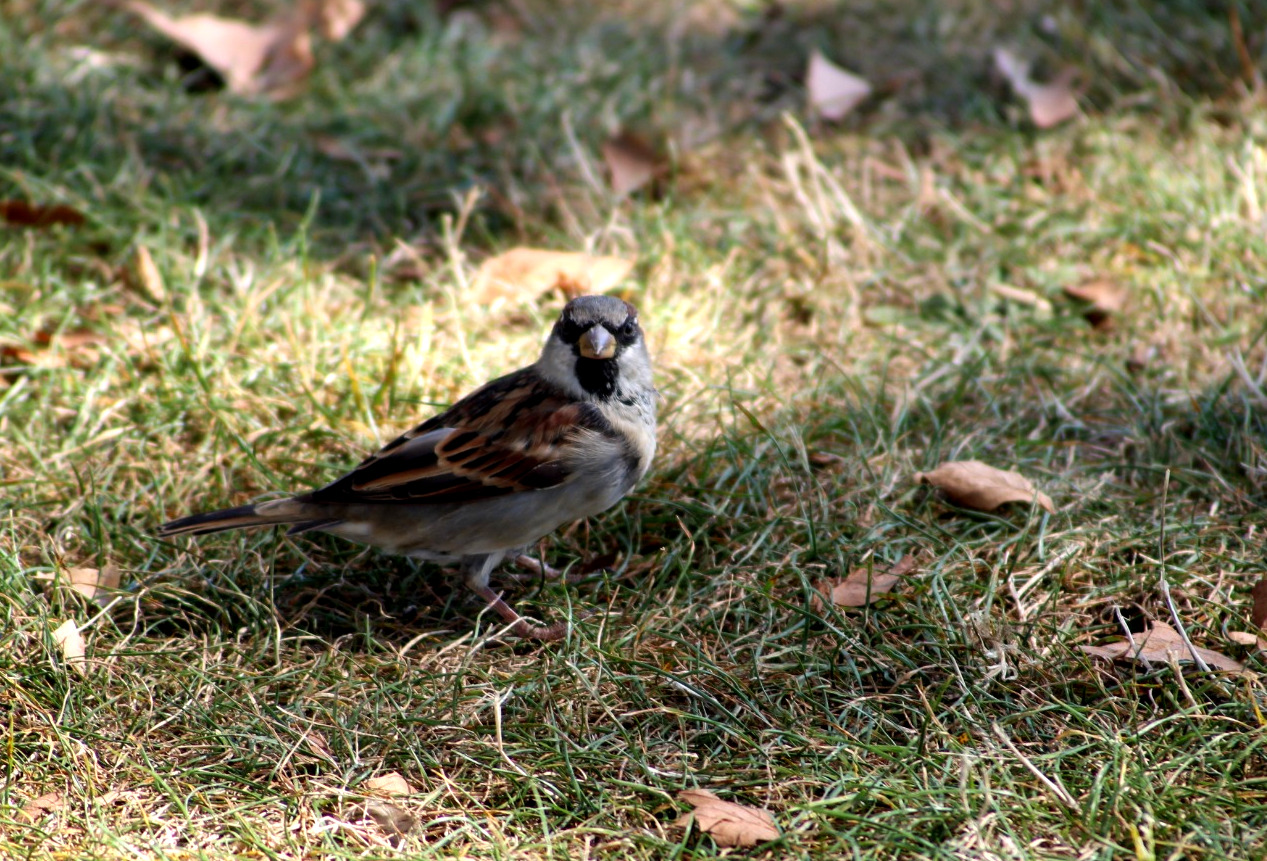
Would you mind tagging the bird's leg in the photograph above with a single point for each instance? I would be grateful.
(477, 570)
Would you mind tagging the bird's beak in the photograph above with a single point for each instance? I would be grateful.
(598, 343)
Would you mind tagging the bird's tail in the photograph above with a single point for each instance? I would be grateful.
(289, 511)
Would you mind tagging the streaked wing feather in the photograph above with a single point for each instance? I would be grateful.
(510, 436)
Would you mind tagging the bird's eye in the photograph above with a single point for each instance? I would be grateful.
(630, 326)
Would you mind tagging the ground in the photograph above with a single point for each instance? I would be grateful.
(834, 308)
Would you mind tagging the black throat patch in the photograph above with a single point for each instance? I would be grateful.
(597, 376)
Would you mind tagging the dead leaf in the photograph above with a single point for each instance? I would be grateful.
(1049, 104)
(1245, 638)
(145, 277)
(1052, 104)
(19, 213)
(1022, 296)
(974, 484)
(833, 92)
(1250, 74)
(1142, 355)
(89, 582)
(73, 647)
(601, 562)
(36, 359)
(271, 59)
(1104, 299)
(75, 347)
(861, 586)
(825, 460)
(904, 566)
(336, 18)
(70, 340)
(331, 147)
(395, 821)
(1258, 616)
(318, 747)
(388, 784)
(631, 162)
(404, 263)
(728, 823)
(1158, 645)
(84, 580)
(527, 273)
(36, 809)
(339, 150)
(114, 796)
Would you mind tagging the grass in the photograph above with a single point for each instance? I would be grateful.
(832, 310)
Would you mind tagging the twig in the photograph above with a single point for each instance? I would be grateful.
(498, 699)
(1062, 795)
(1130, 638)
(1165, 587)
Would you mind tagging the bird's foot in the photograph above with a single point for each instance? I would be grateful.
(545, 633)
(521, 626)
(537, 568)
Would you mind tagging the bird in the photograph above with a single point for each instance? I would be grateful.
(559, 440)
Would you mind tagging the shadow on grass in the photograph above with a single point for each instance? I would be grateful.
(1131, 467)
(419, 106)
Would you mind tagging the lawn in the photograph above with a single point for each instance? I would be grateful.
(259, 292)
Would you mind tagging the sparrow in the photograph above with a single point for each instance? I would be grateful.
(559, 440)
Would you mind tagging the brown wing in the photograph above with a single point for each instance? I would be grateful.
(509, 436)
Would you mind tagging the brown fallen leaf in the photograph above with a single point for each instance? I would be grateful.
(19, 213)
(974, 484)
(728, 823)
(825, 460)
(394, 821)
(1158, 645)
(318, 747)
(340, 150)
(1250, 75)
(85, 580)
(335, 19)
(89, 582)
(36, 809)
(1022, 296)
(72, 644)
(528, 273)
(388, 784)
(602, 562)
(114, 796)
(1104, 299)
(405, 263)
(1052, 104)
(631, 162)
(861, 586)
(271, 59)
(1257, 618)
(832, 91)
(145, 278)
(70, 340)
(34, 358)
(1245, 638)
(1143, 354)
(1049, 104)
(75, 347)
